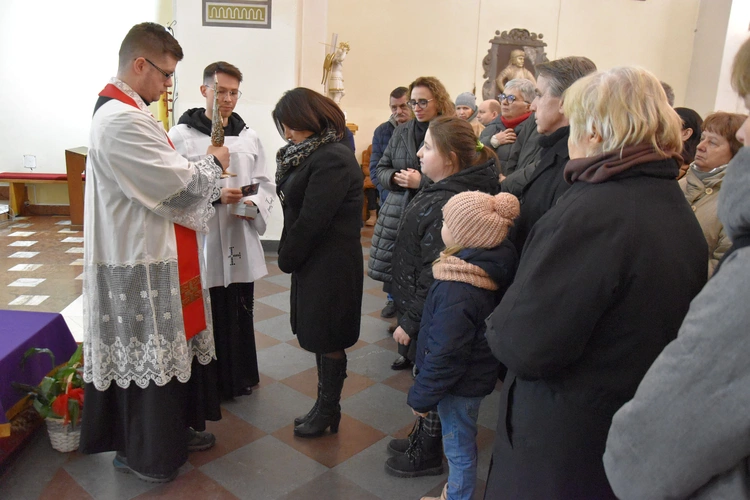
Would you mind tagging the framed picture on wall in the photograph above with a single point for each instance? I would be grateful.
(512, 54)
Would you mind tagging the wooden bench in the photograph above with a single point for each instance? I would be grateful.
(17, 182)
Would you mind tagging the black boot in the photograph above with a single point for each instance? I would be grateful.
(328, 412)
(399, 446)
(305, 418)
(424, 457)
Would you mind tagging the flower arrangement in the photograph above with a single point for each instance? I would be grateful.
(60, 394)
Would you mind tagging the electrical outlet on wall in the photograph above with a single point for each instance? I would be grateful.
(29, 161)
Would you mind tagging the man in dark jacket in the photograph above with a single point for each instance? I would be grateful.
(400, 113)
(546, 184)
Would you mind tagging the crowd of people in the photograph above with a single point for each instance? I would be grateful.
(577, 238)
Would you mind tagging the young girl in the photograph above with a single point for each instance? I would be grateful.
(456, 367)
(454, 161)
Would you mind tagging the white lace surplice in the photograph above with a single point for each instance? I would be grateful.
(137, 186)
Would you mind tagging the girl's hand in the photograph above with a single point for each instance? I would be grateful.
(408, 178)
(415, 412)
(400, 336)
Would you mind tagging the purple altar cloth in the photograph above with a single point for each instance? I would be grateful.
(19, 331)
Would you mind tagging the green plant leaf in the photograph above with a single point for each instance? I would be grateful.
(37, 350)
(75, 411)
(77, 356)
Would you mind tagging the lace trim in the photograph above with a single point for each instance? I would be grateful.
(130, 93)
(134, 330)
(180, 208)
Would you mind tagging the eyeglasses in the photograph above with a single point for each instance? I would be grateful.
(167, 76)
(510, 98)
(233, 94)
(422, 103)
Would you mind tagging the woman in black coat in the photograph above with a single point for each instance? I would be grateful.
(605, 280)
(319, 183)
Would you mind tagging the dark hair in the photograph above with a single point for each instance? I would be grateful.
(561, 73)
(690, 120)
(148, 40)
(451, 134)
(306, 110)
(220, 67)
(399, 92)
(443, 100)
(669, 91)
(725, 125)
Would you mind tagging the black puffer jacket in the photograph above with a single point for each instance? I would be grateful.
(400, 154)
(419, 242)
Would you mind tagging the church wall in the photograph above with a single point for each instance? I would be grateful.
(55, 57)
(393, 42)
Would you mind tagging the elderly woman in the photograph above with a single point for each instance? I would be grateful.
(604, 281)
(500, 134)
(703, 180)
(399, 172)
(319, 184)
(686, 433)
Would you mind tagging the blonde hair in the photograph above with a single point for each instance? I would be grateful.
(449, 251)
(741, 70)
(626, 106)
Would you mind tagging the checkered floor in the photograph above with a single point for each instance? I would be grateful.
(256, 455)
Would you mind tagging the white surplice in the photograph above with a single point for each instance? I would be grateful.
(232, 246)
(137, 188)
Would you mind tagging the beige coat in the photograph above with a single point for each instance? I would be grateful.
(703, 197)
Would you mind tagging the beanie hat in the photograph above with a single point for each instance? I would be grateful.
(467, 99)
(480, 220)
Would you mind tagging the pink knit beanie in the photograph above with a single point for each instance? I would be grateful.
(480, 220)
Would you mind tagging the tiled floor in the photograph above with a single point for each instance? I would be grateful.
(256, 455)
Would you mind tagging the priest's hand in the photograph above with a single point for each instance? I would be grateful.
(221, 153)
(400, 336)
(230, 195)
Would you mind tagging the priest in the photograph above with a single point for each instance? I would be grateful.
(148, 344)
(232, 248)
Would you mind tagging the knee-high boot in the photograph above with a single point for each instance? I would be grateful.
(304, 418)
(328, 412)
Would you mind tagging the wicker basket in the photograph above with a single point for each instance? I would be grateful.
(63, 437)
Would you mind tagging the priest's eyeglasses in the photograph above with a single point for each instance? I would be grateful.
(167, 76)
(510, 98)
(422, 103)
(233, 94)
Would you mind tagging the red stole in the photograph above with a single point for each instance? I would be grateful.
(188, 265)
(515, 121)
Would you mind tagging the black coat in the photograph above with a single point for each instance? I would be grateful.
(419, 243)
(604, 282)
(452, 352)
(526, 150)
(320, 246)
(545, 185)
(399, 154)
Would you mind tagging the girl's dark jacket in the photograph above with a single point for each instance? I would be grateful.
(418, 243)
(453, 356)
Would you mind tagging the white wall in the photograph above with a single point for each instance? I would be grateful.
(737, 32)
(55, 57)
(395, 41)
(266, 59)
